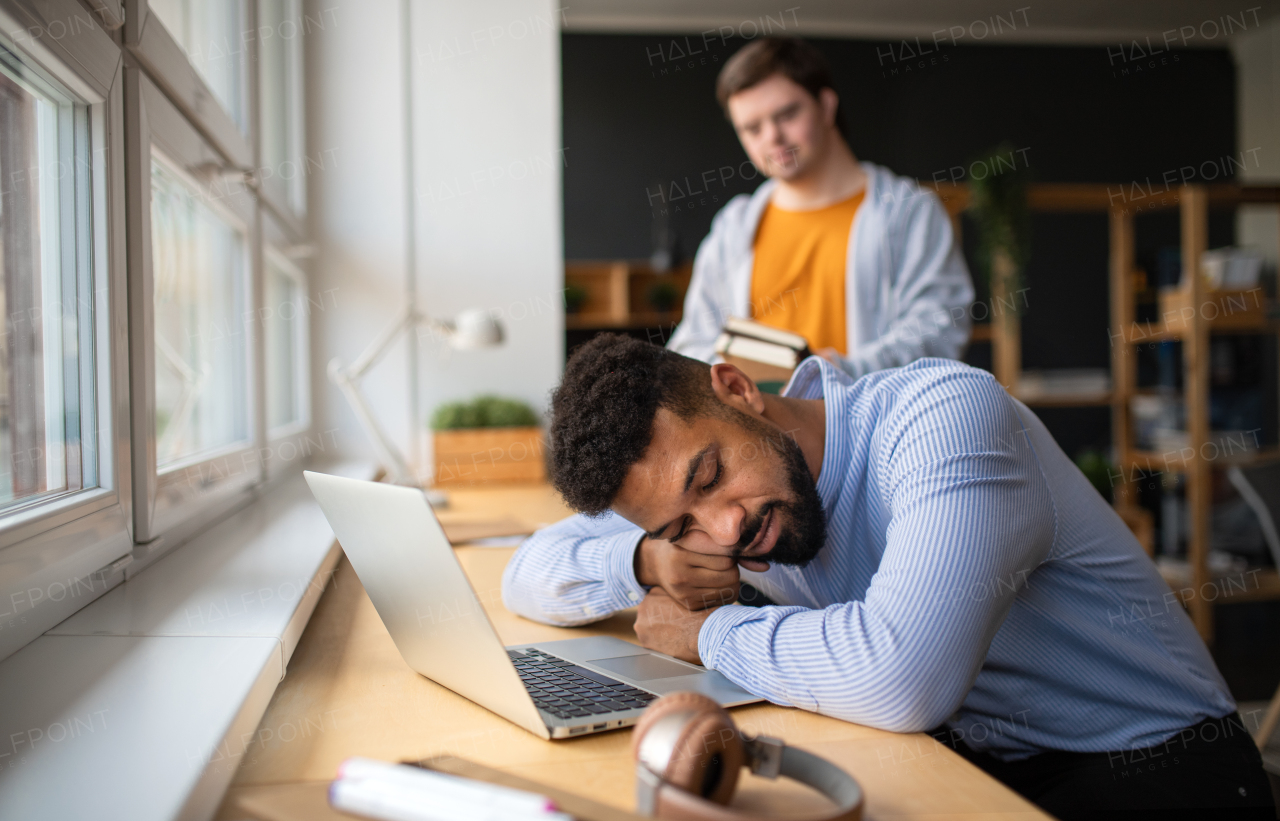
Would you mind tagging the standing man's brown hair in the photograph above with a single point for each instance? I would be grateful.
(759, 60)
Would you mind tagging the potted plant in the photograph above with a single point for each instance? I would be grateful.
(998, 204)
(663, 296)
(488, 439)
(575, 296)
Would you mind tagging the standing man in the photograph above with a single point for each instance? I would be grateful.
(858, 261)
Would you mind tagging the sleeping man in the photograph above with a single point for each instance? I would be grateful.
(931, 559)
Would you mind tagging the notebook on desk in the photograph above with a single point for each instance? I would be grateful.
(308, 800)
(554, 689)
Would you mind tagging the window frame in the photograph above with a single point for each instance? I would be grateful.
(173, 503)
(168, 66)
(274, 194)
(79, 537)
(138, 87)
(275, 244)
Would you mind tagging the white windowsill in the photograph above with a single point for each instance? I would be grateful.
(139, 705)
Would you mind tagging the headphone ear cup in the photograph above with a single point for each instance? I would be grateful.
(708, 754)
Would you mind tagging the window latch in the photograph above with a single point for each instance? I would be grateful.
(105, 572)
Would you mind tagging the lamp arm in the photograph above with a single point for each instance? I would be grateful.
(407, 317)
(388, 453)
(347, 377)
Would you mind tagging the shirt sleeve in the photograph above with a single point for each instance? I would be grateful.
(706, 303)
(576, 571)
(931, 291)
(971, 519)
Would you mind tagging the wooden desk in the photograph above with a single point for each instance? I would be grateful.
(347, 692)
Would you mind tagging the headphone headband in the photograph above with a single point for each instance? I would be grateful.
(665, 738)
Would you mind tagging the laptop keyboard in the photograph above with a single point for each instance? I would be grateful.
(566, 690)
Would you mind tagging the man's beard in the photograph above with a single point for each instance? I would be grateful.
(802, 523)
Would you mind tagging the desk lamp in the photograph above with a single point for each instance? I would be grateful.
(473, 329)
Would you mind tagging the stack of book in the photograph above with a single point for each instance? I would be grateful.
(764, 353)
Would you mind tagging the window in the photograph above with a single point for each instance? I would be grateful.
(194, 327)
(214, 37)
(64, 494)
(47, 419)
(280, 28)
(198, 272)
(285, 315)
(153, 324)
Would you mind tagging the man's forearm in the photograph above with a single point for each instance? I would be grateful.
(664, 625)
(825, 661)
(577, 571)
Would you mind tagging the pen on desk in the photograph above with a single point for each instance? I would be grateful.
(434, 783)
(391, 801)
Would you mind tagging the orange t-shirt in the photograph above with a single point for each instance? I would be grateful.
(798, 278)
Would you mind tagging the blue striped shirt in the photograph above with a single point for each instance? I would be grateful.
(971, 577)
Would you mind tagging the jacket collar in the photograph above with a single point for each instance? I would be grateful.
(761, 196)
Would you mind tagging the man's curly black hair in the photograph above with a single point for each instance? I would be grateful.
(602, 413)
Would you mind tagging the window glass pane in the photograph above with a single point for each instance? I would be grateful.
(213, 35)
(43, 261)
(285, 315)
(280, 28)
(198, 268)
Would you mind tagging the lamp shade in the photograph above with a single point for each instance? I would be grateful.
(476, 328)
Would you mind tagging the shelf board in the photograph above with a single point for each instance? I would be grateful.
(1140, 333)
(1259, 584)
(1066, 400)
(1051, 196)
(1102, 197)
(1228, 325)
(602, 321)
(1034, 388)
(1152, 462)
(981, 332)
(1227, 195)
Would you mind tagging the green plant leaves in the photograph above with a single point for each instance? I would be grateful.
(484, 412)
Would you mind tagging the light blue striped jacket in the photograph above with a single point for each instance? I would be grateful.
(971, 577)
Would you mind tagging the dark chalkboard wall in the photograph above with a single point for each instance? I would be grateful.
(643, 132)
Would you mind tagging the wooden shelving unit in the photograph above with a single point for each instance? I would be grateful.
(1004, 331)
(617, 294)
(1206, 313)
(1194, 331)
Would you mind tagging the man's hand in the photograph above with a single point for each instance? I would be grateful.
(663, 625)
(695, 580)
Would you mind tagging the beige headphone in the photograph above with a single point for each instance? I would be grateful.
(689, 754)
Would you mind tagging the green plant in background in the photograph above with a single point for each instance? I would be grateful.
(1098, 469)
(663, 296)
(575, 296)
(998, 205)
(484, 412)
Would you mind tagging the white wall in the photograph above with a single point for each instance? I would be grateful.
(1257, 56)
(488, 157)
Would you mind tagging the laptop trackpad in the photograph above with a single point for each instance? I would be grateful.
(644, 667)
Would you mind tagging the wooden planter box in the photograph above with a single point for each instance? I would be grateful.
(488, 455)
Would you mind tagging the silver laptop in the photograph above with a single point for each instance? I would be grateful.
(554, 689)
